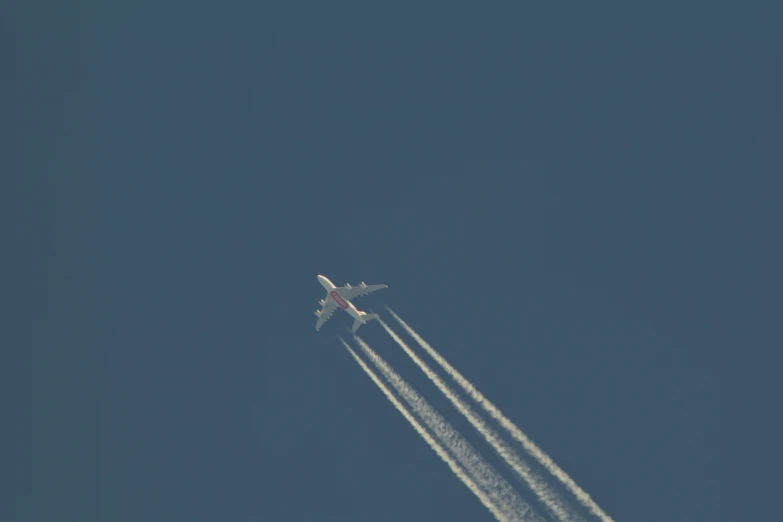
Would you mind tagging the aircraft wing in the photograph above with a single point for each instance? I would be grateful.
(351, 292)
(326, 313)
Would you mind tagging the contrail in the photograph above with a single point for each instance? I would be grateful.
(448, 459)
(499, 490)
(545, 494)
(515, 432)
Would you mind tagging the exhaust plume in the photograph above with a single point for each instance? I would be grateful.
(439, 450)
(484, 474)
(512, 429)
(554, 504)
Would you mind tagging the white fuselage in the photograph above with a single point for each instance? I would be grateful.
(335, 296)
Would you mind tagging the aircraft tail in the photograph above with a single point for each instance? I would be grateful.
(364, 318)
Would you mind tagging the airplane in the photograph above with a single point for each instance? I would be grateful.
(341, 296)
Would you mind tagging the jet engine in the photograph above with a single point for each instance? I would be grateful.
(318, 313)
(347, 286)
(363, 284)
(321, 302)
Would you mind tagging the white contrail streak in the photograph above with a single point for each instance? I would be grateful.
(545, 494)
(485, 475)
(448, 459)
(515, 432)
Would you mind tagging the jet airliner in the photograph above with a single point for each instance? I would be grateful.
(341, 296)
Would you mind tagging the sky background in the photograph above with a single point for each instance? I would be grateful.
(573, 202)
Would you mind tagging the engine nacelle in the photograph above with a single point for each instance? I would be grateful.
(363, 284)
(321, 302)
(318, 313)
(347, 286)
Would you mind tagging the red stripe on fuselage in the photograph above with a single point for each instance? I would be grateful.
(339, 299)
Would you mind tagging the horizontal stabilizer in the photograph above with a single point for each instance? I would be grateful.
(364, 318)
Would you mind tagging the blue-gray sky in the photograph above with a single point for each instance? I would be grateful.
(573, 202)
